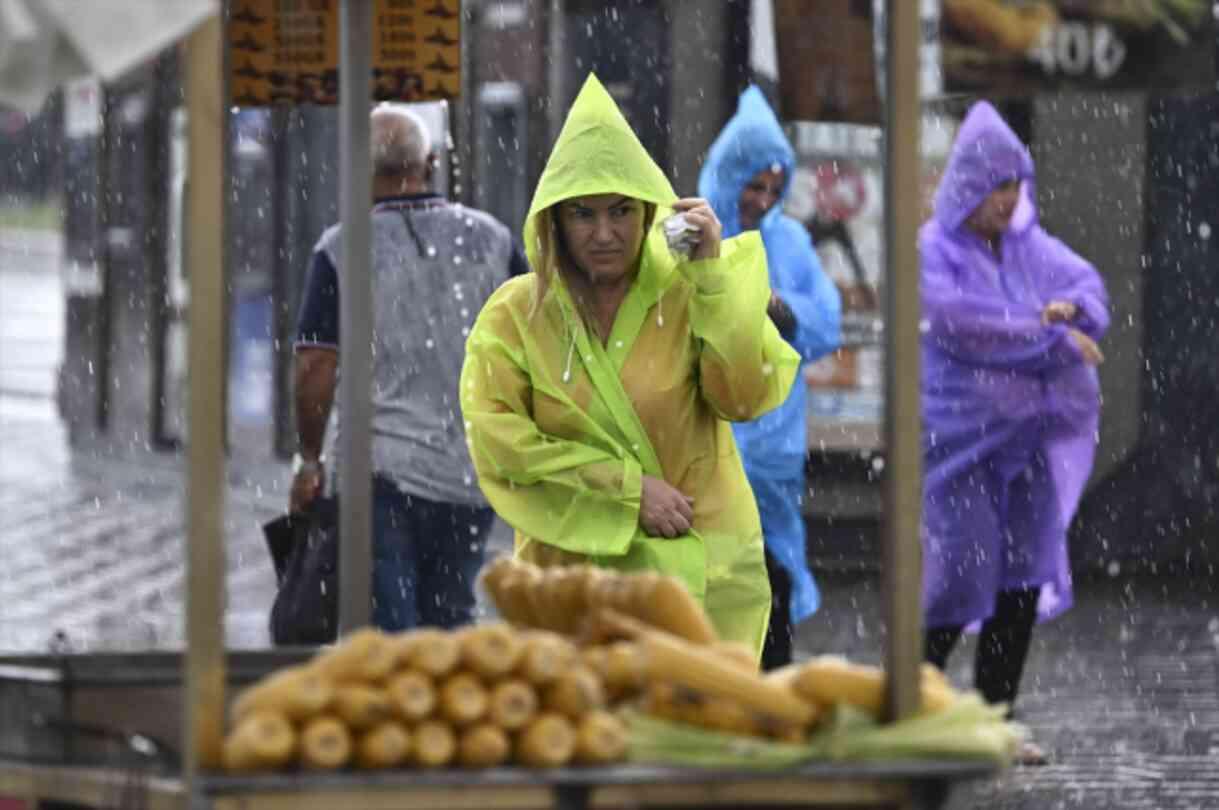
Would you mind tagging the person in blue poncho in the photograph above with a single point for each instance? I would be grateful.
(747, 175)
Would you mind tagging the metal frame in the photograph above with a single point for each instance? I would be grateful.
(207, 108)
(898, 784)
(901, 547)
(355, 321)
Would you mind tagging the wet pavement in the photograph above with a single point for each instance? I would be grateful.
(31, 312)
(1122, 691)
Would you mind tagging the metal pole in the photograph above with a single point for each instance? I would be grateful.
(205, 238)
(355, 322)
(555, 41)
(902, 564)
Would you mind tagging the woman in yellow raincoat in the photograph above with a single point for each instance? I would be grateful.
(597, 389)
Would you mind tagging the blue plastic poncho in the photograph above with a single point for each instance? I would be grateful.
(1010, 409)
(774, 447)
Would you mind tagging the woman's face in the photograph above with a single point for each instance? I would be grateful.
(603, 234)
(759, 196)
(993, 214)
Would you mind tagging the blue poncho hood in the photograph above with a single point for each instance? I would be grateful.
(752, 140)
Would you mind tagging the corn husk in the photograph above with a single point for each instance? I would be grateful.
(665, 742)
(968, 729)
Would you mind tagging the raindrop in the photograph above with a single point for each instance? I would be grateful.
(429, 343)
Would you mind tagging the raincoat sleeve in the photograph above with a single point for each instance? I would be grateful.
(745, 368)
(806, 288)
(979, 328)
(1083, 288)
(576, 496)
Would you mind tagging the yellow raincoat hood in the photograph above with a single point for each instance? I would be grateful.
(597, 152)
(562, 427)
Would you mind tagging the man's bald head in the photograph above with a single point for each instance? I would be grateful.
(400, 143)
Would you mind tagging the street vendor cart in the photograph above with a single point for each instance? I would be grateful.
(146, 729)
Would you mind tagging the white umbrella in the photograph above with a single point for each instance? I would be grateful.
(43, 43)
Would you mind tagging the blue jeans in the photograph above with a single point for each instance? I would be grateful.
(426, 556)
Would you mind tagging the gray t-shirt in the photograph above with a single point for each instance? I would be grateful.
(434, 264)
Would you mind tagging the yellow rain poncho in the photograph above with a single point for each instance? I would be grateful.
(562, 427)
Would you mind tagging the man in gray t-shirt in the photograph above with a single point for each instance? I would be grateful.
(434, 264)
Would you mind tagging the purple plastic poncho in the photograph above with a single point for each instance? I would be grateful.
(1010, 410)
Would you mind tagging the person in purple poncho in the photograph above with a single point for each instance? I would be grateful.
(1011, 403)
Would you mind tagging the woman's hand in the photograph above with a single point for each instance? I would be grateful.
(1058, 312)
(698, 212)
(1087, 347)
(663, 510)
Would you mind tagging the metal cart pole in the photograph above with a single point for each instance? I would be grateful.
(902, 567)
(355, 320)
(206, 88)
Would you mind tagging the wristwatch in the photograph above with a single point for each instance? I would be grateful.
(301, 464)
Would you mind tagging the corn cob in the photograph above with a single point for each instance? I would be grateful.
(435, 653)
(575, 693)
(670, 607)
(729, 716)
(262, 740)
(513, 704)
(831, 679)
(624, 669)
(513, 599)
(547, 742)
(325, 744)
(412, 695)
(385, 746)
(670, 702)
(494, 573)
(365, 655)
(698, 668)
(483, 746)
(544, 656)
(600, 738)
(296, 692)
(434, 746)
(738, 653)
(490, 650)
(463, 700)
(362, 707)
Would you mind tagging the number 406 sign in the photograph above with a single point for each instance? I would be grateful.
(1080, 50)
(1014, 46)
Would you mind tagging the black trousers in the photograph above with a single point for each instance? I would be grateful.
(777, 649)
(1003, 645)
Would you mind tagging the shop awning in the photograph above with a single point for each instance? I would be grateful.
(44, 43)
